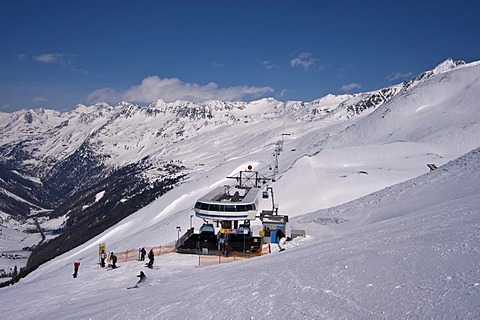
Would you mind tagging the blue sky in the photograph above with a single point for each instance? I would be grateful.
(57, 54)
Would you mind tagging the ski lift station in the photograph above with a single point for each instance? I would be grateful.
(221, 205)
(231, 209)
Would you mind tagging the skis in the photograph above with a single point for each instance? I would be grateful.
(110, 268)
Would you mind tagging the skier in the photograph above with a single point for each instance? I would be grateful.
(113, 259)
(140, 282)
(76, 265)
(151, 258)
(143, 252)
(142, 279)
(103, 256)
(280, 239)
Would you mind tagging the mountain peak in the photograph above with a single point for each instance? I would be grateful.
(81, 108)
(447, 65)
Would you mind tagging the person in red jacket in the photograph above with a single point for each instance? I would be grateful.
(76, 265)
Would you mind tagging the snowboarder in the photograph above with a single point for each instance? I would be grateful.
(76, 265)
(151, 258)
(113, 259)
(143, 253)
(280, 239)
(103, 256)
(141, 281)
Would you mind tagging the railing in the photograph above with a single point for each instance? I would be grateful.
(134, 254)
(183, 238)
(210, 260)
(203, 259)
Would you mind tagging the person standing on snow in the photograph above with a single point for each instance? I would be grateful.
(76, 265)
(113, 259)
(280, 239)
(143, 253)
(151, 258)
(228, 249)
(103, 256)
(221, 242)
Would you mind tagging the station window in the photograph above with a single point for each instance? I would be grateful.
(214, 207)
(230, 208)
(241, 208)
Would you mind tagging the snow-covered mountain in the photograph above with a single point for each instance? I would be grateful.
(57, 164)
(386, 238)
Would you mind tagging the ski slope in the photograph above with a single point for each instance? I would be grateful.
(407, 251)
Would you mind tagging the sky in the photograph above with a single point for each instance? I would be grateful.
(386, 237)
(58, 54)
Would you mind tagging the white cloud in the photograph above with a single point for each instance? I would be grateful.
(304, 59)
(171, 89)
(267, 64)
(5, 107)
(65, 60)
(217, 64)
(39, 99)
(351, 86)
(398, 76)
(49, 58)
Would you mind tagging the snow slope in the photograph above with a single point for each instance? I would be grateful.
(408, 251)
(393, 248)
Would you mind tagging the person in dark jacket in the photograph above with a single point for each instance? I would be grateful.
(142, 279)
(228, 250)
(280, 239)
(143, 253)
(113, 259)
(151, 258)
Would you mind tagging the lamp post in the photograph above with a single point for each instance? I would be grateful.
(178, 233)
(273, 201)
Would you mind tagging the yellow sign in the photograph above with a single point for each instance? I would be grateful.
(228, 231)
(102, 248)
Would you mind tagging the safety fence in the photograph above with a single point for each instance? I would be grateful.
(134, 254)
(203, 259)
(209, 260)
